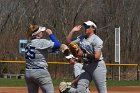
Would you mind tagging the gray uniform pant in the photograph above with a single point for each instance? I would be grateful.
(95, 71)
(74, 90)
(36, 78)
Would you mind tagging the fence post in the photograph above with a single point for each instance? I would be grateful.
(112, 74)
(138, 73)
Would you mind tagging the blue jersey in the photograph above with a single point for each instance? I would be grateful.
(36, 53)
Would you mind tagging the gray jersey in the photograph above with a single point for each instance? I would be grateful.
(78, 69)
(36, 53)
(95, 71)
(90, 45)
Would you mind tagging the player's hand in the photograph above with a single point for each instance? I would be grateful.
(80, 53)
(76, 28)
(69, 84)
(49, 31)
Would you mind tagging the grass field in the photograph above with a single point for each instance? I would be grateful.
(19, 86)
(22, 83)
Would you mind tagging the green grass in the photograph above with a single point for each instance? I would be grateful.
(18, 82)
(21, 82)
(12, 82)
(123, 83)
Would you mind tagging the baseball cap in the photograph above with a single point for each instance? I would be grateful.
(40, 29)
(88, 24)
(69, 56)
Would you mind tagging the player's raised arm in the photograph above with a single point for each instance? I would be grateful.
(70, 35)
(54, 39)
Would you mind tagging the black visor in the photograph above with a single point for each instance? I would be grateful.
(86, 26)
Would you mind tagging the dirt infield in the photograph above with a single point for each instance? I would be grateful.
(130, 89)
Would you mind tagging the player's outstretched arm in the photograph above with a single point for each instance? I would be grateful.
(70, 35)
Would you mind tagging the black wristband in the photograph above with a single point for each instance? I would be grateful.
(90, 56)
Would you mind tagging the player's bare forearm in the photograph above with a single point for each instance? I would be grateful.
(97, 55)
(75, 29)
(75, 80)
(69, 37)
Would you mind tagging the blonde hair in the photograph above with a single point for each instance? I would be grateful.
(31, 29)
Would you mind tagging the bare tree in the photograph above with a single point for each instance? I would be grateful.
(62, 15)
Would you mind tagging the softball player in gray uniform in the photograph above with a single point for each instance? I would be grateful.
(91, 52)
(77, 70)
(36, 73)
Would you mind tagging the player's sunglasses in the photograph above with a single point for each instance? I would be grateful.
(86, 26)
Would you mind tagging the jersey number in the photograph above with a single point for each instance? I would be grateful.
(29, 52)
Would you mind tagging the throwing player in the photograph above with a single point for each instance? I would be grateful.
(91, 52)
(36, 71)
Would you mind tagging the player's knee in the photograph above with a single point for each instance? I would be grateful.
(81, 88)
(83, 84)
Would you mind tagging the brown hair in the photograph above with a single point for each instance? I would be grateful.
(31, 29)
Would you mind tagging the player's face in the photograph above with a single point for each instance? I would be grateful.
(72, 61)
(40, 35)
(88, 31)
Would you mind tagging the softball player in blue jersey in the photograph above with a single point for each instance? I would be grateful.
(36, 73)
(91, 53)
(77, 70)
